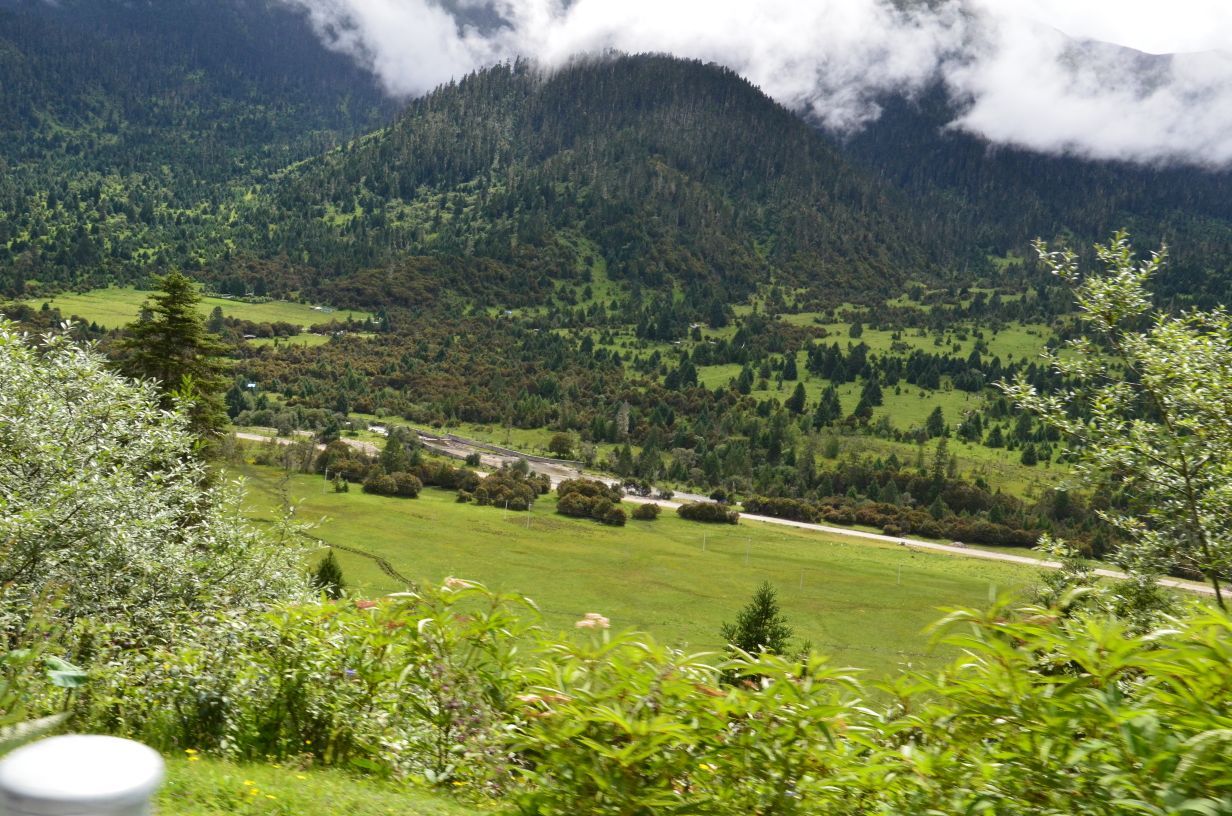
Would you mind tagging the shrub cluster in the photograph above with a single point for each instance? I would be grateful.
(893, 519)
(794, 509)
(399, 483)
(711, 512)
(589, 498)
(646, 512)
(508, 487)
(350, 463)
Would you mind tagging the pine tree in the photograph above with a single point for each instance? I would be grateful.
(328, 577)
(828, 408)
(934, 426)
(790, 371)
(401, 451)
(795, 403)
(170, 345)
(995, 438)
(760, 626)
(871, 392)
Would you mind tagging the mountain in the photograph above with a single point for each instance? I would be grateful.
(673, 172)
(1000, 198)
(124, 123)
(221, 137)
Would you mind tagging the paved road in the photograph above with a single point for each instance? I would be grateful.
(556, 470)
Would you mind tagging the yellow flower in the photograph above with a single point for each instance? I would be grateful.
(300, 776)
(249, 782)
(270, 796)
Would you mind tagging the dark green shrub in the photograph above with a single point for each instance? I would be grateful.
(709, 512)
(646, 512)
(381, 485)
(407, 486)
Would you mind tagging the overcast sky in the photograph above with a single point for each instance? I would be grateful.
(1013, 67)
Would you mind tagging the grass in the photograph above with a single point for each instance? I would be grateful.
(206, 787)
(117, 305)
(306, 340)
(865, 604)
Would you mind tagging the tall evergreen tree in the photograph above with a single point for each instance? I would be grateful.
(328, 577)
(828, 409)
(795, 403)
(790, 371)
(760, 626)
(934, 426)
(170, 345)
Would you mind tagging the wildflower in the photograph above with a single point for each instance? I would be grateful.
(300, 776)
(190, 751)
(593, 620)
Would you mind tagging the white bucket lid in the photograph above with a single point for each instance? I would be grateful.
(79, 775)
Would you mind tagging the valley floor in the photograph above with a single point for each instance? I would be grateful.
(866, 603)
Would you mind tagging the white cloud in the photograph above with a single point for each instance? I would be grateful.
(1019, 79)
(1153, 26)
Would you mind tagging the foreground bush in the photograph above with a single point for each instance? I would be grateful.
(415, 684)
(1045, 712)
(104, 502)
(1042, 715)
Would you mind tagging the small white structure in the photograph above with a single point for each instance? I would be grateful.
(80, 775)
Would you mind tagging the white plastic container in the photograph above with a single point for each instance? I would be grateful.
(80, 775)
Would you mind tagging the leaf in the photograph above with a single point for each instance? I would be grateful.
(65, 674)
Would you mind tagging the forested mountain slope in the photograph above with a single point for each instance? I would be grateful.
(672, 171)
(125, 126)
(1000, 198)
(215, 136)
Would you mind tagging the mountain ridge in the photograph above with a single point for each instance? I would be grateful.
(510, 183)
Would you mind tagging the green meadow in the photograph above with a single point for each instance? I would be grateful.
(865, 604)
(114, 306)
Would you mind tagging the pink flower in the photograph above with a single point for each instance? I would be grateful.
(593, 620)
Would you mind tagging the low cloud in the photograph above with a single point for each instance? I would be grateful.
(1021, 73)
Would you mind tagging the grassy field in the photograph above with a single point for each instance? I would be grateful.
(865, 604)
(115, 306)
(206, 787)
